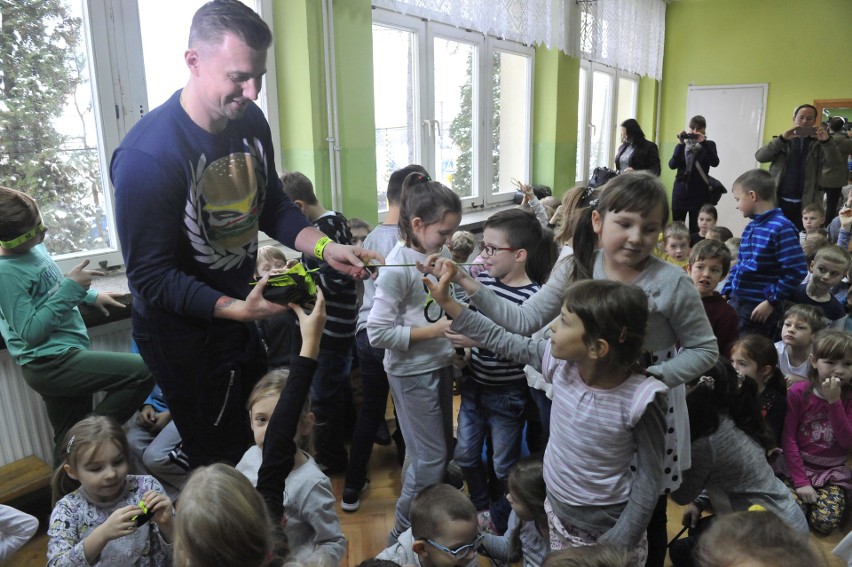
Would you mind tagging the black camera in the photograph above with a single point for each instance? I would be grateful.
(686, 136)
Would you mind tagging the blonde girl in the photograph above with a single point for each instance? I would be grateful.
(313, 528)
(220, 522)
(818, 432)
(410, 327)
(614, 240)
(45, 333)
(102, 515)
(603, 463)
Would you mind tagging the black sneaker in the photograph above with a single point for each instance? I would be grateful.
(352, 497)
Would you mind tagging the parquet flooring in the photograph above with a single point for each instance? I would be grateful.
(367, 529)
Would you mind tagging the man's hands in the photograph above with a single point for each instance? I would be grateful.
(350, 259)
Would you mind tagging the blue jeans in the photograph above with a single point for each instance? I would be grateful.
(206, 370)
(500, 411)
(374, 382)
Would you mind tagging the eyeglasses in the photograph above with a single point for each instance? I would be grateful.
(461, 552)
(489, 250)
(29, 235)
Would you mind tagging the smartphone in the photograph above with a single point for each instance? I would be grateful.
(804, 131)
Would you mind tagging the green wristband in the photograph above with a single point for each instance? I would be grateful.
(319, 247)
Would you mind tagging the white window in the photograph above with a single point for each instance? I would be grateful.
(75, 78)
(607, 98)
(456, 102)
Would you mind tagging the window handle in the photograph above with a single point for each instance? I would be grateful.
(436, 125)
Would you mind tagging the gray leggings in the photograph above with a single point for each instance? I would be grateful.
(424, 407)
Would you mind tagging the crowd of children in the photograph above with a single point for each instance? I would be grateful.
(710, 369)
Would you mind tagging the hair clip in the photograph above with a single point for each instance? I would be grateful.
(623, 335)
(70, 442)
(708, 381)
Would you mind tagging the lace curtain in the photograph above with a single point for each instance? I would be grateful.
(625, 35)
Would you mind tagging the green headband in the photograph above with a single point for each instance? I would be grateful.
(15, 242)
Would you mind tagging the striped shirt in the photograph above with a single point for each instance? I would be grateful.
(770, 264)
(339, 289)
(591, 447)
(489, 368)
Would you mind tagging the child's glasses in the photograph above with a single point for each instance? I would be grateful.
(490, 250)
(461, 552)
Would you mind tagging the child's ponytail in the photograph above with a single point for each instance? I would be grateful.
(636, 191)
(429, 200)
(585, 244)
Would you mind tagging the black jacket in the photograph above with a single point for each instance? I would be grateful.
(645, 156)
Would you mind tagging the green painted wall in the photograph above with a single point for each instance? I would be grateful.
(301, 91)
(353, 36)
(554, 136)
(779, 42)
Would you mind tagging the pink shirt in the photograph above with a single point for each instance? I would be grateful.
(817, 435)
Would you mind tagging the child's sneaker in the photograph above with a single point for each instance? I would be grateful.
(352, 497)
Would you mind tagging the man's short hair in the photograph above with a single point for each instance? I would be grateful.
(836, 123)
(215, 19)
(709, 250)
(760, 181)
(396, 179)
(435, 506)
(298, 187)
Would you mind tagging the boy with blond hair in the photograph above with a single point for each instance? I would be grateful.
(827, 269)
(813, 217)
(770, 263)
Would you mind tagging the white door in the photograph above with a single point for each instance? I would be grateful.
(735, 119)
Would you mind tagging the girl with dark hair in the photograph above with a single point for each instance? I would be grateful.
(410, 327)
(729, 467)
(636, 152)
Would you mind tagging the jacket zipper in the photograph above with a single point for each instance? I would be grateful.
(225, 403)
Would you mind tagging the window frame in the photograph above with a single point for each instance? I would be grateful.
(591, 67)
(425, 31)
(113, 39)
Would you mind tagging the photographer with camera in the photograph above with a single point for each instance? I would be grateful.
(796, 160)
(690, 191)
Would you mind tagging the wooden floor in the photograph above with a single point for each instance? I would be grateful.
(367, 529)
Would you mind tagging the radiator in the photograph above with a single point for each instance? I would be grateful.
(24, 427)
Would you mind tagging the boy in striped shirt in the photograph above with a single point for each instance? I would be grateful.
(328, 401)
(770, 263)
(517, 255)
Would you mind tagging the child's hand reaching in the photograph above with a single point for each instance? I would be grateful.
(82, 276)
(311, 325)
(845, 215)
(107, 299)
(441, 292)
(147, 417)
(807, 494)
(831, 389)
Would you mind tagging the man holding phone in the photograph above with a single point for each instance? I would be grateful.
(796, 160)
